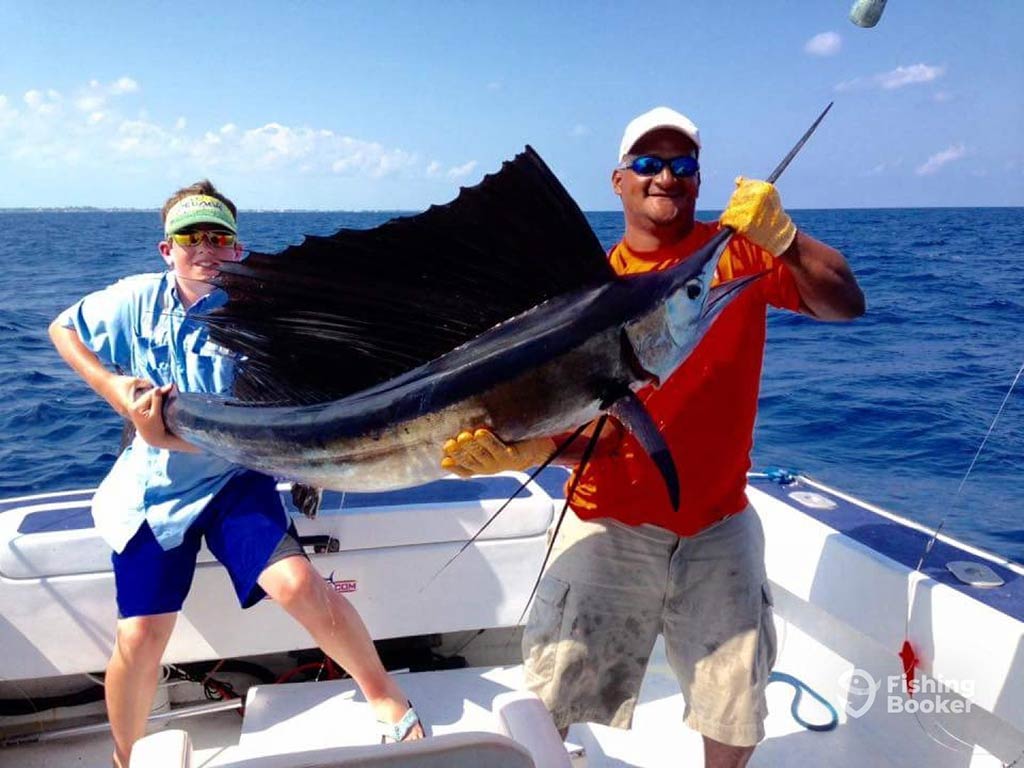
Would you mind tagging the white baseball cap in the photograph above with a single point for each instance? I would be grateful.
(659, 117)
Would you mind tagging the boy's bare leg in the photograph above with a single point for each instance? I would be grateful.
(339, 631)
(132, 676)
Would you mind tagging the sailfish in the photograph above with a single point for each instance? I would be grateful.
(359, 353)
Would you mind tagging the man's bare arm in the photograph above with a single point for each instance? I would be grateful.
(828, 290)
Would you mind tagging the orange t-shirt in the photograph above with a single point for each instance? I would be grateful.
(705, 410)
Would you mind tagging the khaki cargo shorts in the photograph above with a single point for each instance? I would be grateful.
(613, 588)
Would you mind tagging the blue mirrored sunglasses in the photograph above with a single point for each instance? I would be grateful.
(651, 165)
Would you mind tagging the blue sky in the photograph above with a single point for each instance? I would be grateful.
(394, 105)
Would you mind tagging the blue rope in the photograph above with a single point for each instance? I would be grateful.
(799, 687)
(778, 475)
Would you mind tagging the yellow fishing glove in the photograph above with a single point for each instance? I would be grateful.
(756, 212)
(483, 453)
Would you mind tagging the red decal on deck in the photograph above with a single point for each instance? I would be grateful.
(343, 586)
(910, 664)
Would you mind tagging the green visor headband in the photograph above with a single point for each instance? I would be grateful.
(198, 209)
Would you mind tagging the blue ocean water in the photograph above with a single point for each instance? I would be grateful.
(891, 408)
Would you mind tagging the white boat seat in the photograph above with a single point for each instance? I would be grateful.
(523, 736)
(171, 748)
(334, 715)
(452, 750)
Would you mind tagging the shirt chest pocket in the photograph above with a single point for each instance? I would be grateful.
(211, 368)
(156, 359)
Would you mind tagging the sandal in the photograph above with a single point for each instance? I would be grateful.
(398, 731)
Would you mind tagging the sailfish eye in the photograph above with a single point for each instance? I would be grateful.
(694, 289)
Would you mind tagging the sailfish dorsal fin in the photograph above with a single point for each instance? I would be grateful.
(338, 314)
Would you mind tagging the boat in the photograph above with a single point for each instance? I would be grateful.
(848, 595)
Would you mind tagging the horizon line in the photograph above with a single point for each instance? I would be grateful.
(413, 211)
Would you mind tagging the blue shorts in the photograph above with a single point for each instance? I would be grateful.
(246, 528)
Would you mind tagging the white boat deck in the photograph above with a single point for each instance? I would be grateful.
(844, 583)
(310, 716)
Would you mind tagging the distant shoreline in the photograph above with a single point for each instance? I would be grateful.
(87, 209)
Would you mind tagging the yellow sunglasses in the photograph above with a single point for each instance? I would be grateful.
(192, 239)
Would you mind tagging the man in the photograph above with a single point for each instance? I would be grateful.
(628, 566)
(162, 497)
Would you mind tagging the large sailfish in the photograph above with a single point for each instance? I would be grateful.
(359, 353)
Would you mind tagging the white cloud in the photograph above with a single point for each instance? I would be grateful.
(896, 78)
(883, 167)
(92, 130)
(95, 95)
(272, 144)
(385, 163)
(494, 85)
(942, 96)
(939, 159)
(460, 171)
(916, 73)
(41, 103)
(579, 130)
(824, 44)
(89, 102)
(141, 139)
(276, 146)
(123, 85)
(849, 85)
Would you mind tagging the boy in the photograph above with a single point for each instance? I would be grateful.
(163, 496)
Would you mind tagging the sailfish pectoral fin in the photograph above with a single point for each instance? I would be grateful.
(307, 499)
(630, 412)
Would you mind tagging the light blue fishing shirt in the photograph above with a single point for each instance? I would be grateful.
(139, 326)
